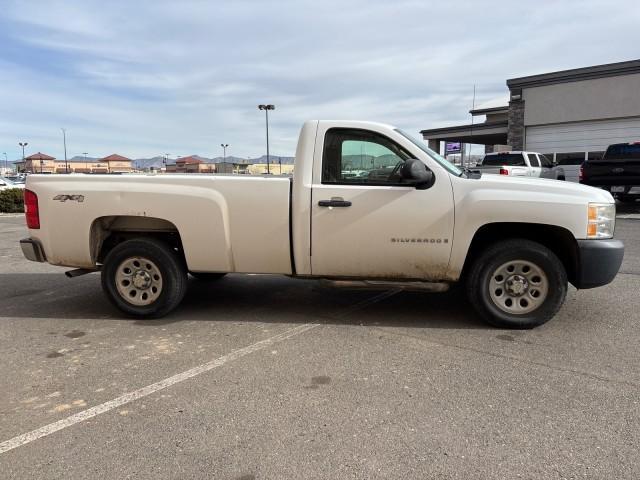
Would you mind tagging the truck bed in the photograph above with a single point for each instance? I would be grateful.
(225, 223)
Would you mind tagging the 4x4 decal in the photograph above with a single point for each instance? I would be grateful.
(64, 198)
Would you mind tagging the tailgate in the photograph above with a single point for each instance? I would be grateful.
(612, 172)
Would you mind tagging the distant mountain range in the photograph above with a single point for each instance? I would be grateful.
(157, 162)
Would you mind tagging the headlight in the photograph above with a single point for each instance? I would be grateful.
(601, 220)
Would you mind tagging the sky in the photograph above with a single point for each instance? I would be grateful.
(145, 78)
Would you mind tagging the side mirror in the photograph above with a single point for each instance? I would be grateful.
(414, 172)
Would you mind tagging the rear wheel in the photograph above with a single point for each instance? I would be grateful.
(144, 278)
(517, 284)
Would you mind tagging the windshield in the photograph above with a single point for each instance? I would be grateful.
(623, 151)
(436, 156)
(508, 159)
(6, 181)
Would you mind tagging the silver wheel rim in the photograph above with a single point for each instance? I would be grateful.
(518, 287)
(139, 281)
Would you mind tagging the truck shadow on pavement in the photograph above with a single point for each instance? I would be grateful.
(241, 298)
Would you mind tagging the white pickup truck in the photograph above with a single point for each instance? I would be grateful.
(412, 221)
(520, 164)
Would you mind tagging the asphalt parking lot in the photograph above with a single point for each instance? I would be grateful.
(258, 377)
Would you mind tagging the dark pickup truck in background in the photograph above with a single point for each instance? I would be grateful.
(618, 171)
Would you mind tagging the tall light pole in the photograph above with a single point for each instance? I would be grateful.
(64, 140)
(266, 109)
(23, 144)
(224, 154)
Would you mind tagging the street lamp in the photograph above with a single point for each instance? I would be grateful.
(224, 154)
(64, 140)
(23, 144)
(266, 109)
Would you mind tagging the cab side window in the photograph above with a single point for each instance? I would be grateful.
(361, 157)
(545, 162)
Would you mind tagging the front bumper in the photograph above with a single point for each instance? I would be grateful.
(598, 262)
(32, 250)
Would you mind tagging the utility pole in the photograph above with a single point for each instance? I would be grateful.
(64, 140)
(266, 109)
(473, 107)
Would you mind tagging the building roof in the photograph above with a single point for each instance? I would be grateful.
(114, 157)
(486, 133)
(189, 159)
(496, 105)
(40, 156)
(576, 74)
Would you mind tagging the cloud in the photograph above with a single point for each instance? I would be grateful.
(143, 78)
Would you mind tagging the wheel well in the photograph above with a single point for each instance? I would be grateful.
(107, 232)
(557, 239)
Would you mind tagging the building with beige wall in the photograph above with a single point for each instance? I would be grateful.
(191, 164)
(274, 169)
(569, 115)
(43, 163)
(37, 163)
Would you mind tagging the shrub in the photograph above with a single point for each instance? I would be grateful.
(11, 201)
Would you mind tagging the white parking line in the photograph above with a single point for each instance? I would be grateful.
(33, 435)
(29, 437)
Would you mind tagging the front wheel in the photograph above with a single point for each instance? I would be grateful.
(144, 278)
(517, 284)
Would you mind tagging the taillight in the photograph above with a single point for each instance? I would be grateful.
(504, 171)
(31, 209)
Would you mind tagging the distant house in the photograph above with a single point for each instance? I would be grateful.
(191, 164)
(37, 163)
(43, 163)
(117, 163)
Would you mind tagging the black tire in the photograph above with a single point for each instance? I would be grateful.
(520, 251)
(207, 276)
(166, 261)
